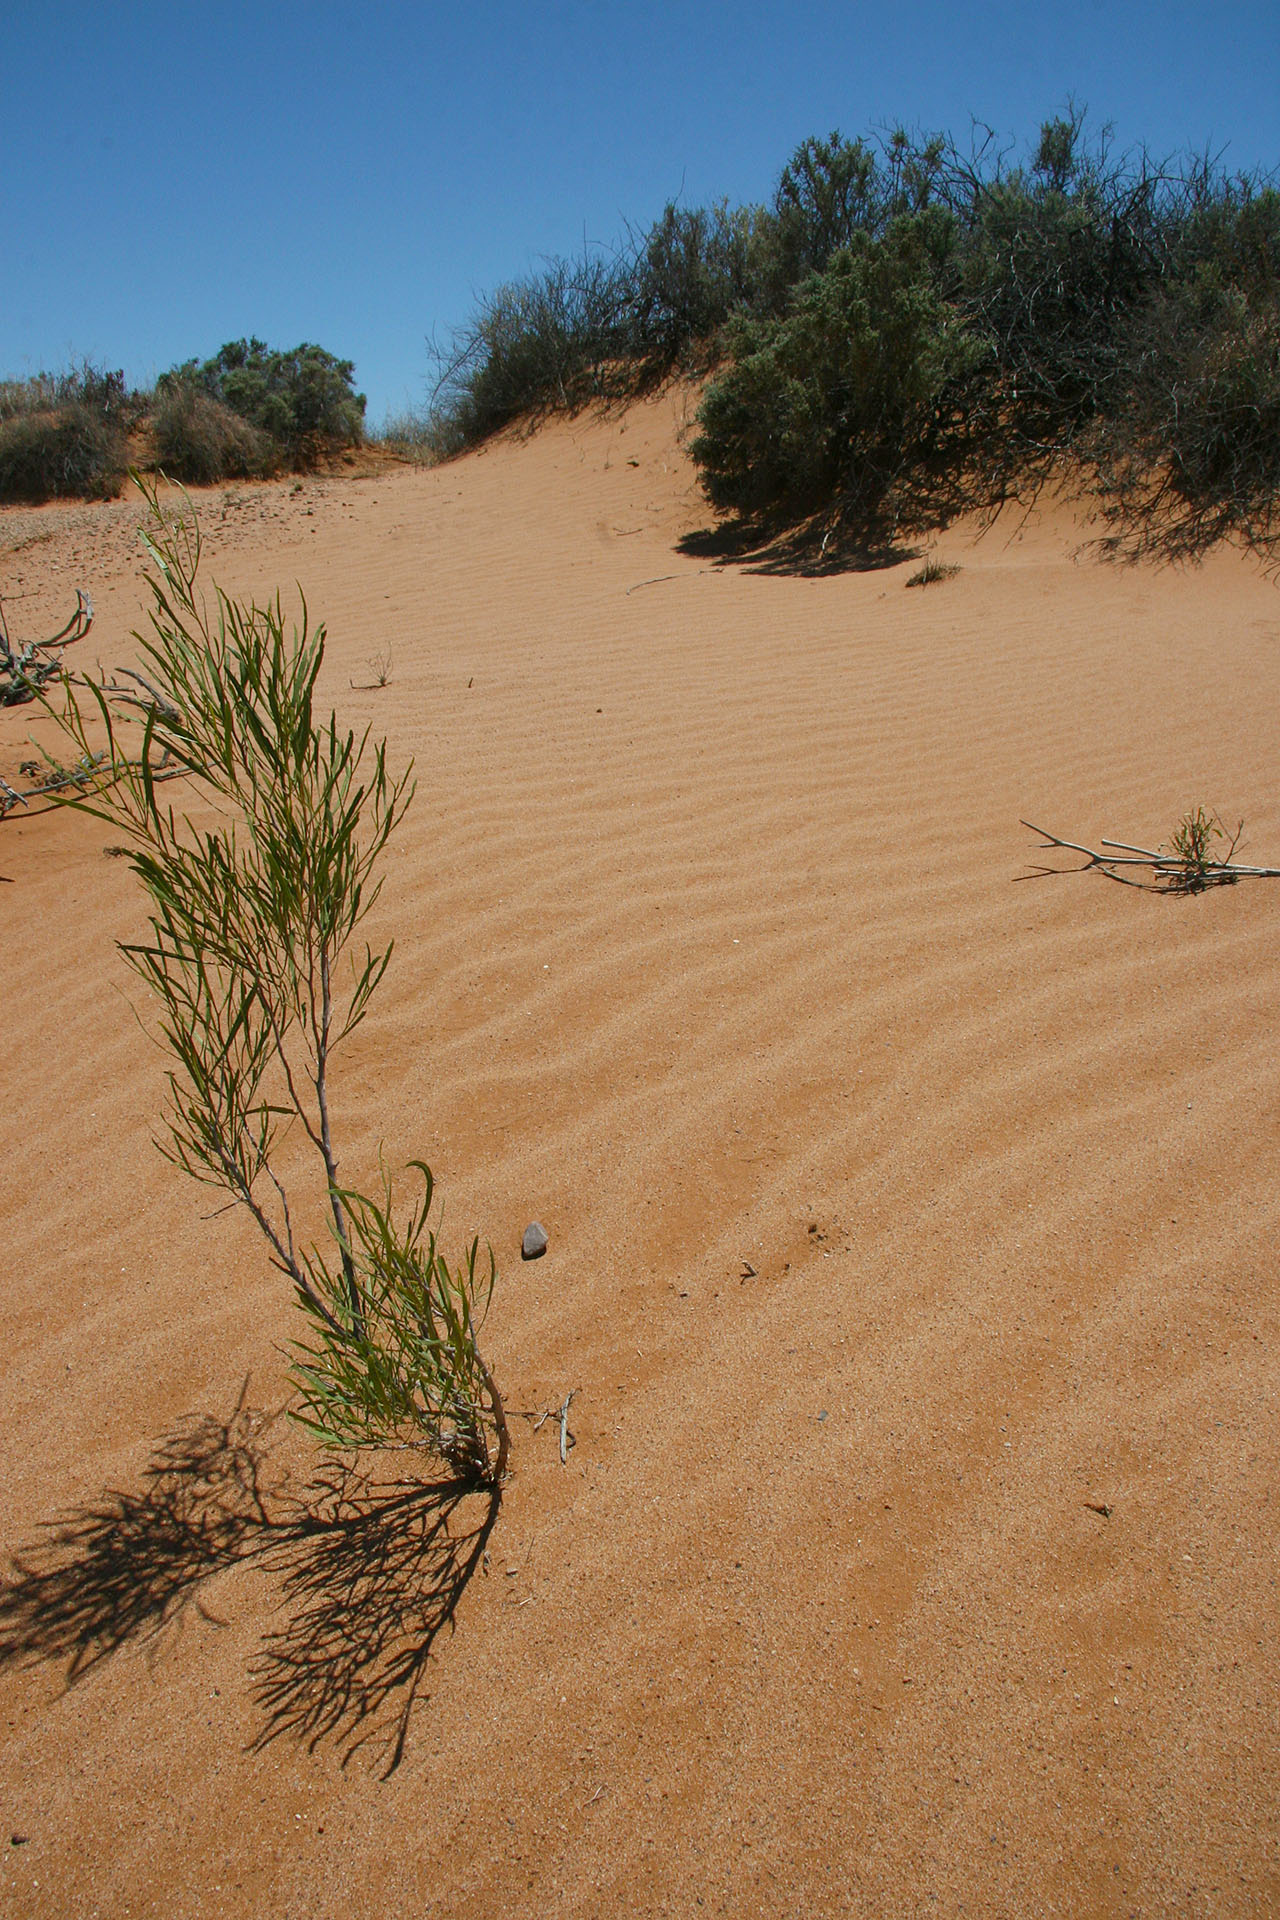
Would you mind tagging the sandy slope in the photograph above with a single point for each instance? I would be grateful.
(902, 1215)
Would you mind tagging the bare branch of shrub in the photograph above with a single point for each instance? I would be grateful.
(25, 670)
(1187, 866)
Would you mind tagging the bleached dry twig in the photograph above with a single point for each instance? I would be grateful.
(25, 670)
(1173, 871)
(564, 1427)
(86, 776)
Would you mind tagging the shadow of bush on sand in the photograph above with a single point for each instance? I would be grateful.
(814, 549)
(368, 1573)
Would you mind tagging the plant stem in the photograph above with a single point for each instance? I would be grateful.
(499, 1467)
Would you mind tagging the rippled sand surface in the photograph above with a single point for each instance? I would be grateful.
(912, 1256)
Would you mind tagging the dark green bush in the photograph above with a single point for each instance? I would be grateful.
(831, 191)
(199, 440)
(912, 329)
(688, 274)
(852, 393)
(65, 435)
(302, 399)
(67, 453)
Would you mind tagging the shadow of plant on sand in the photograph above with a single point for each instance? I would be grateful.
(368, 1574)
(812, 550)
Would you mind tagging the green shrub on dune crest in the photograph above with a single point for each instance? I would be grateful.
(303, 401)
(914, 328)
(252, 964)
(847, 395)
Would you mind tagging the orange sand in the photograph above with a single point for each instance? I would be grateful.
(901, 1215)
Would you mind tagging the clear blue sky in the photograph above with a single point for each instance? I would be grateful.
(175, 176)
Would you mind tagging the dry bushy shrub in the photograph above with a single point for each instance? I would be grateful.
(199, 440)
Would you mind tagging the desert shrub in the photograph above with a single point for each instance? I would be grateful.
(912, 328)
(688, 273)
(418, 437)
(851, 392)
(96, 389)
(65, 435)
(66, 453)
(932, 572)
(250, 961)
(550, 341)
(1056, 262)
(198, 439)
(302, 399)
(1193, 452)
(830, 191)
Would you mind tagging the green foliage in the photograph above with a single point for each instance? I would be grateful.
(1097, 320)
(851, 392)
(302, 399)
(832, 191)
(1192, 453)
(408, 1362)
(1191, 848)
(547, 342)
(251, 963)
(687, 275)
(70, 454)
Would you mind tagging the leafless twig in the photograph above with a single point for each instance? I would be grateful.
(26, 669)
(1174, 872)
(562, 1414)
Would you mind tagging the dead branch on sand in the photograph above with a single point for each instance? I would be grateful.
(25, 670)
(1187, 867)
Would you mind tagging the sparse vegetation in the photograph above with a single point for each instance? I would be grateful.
(247, 413)
(1187, 865)
(932, 572)
(1191, 851)
(413, 437)
(914, 328)
(250, 960)
(379, 666)
(65, 436)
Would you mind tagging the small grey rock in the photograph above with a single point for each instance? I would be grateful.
(534, 1244)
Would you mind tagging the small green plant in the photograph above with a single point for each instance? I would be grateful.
(931, 572)
(1193, 863)
(251, 960)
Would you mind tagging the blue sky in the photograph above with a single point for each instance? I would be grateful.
(175, 176)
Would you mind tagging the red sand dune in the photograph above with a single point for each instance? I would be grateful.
(904, 1215)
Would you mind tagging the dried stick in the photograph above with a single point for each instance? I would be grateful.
(562, 1413)
(1176, 872)
(564, 1427)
